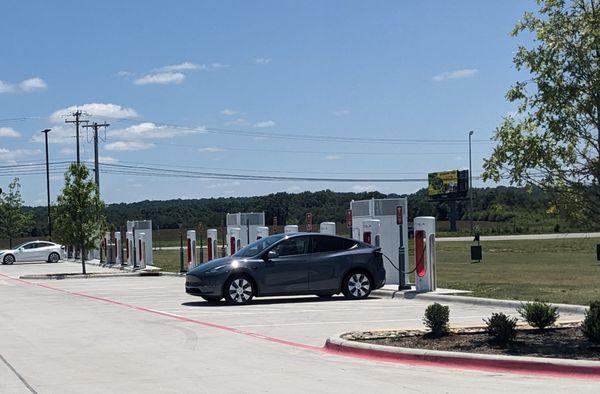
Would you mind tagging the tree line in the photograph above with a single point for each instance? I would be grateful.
(495, 204)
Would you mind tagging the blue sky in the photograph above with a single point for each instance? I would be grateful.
(161, 73)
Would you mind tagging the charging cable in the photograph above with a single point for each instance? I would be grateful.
(393, 265)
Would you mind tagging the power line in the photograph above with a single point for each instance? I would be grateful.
(274, 135)
(200, 174)
(275, 171)
(215, 149)
(298, 136)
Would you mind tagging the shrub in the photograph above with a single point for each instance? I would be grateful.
(538, 314)
(501, 328)
(591, 322)
(436, 319)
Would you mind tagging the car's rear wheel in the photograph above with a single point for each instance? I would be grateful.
(357, 285)
(8, 259)
(54, 257)
(212, 298)
(239, 290)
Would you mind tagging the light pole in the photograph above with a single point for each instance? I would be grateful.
(46, 131)
(470, 183)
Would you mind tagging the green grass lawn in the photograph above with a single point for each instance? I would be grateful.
(563, 271)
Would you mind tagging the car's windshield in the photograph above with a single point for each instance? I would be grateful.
(256, 247)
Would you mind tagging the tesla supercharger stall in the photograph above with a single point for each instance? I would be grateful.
(262, 232)
(191, 249)
(290, 228)
(129, 248)
(327, 228)
(371, 232)
(234, 243)
(105, 246)
(393, 236)
(143, 226)
(119, 251)
(211, 244)
(109, 248)
(141, 250)
(248, 223)
(425, 256)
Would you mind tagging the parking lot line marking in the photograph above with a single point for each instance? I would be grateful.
(312, 348)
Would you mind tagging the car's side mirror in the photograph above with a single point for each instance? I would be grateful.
(271, 254)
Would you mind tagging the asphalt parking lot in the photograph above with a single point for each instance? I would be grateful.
(144, 334)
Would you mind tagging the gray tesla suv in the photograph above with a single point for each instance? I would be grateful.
(291, 264)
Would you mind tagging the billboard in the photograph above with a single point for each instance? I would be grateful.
(448, 184)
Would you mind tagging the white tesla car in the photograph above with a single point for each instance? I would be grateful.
(33, 251)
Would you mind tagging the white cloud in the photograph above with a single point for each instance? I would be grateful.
(262, 60)
(149, 130)
(107, 160)
(10, 156)
(100, 110)
(33, 84)
(364, 188)
(229, 112)
(128, 146)
(333, 157)
(264, 124)
(125, 73)
(172, 73)
(211, 150)
(185, 66)
(9, 132)
(464, 73)
(6, 87)
(60, 134)
(214, 66)
(27, 85)
(341, 113)
(161, 78)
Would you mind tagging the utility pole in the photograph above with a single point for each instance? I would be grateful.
(46, 131)
(470, 183)
(77, 114)
(95, 126)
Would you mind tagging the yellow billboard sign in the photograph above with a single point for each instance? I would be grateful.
(442, 183)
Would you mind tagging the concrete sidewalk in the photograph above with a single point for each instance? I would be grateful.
(462, 297)
(521, 237)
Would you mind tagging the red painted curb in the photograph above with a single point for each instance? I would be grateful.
(525, 367)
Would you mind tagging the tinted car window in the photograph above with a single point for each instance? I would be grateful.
(326, 244)
(350, 244)
(292, 246)
(323, 243)
(32, 245)
(43, 244)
